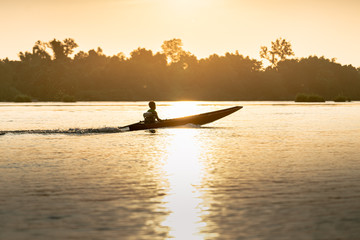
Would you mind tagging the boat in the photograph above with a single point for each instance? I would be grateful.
(199, 119)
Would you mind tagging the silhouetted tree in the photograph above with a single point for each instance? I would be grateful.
(173, 74)
(173, 50)
(38, 53)
(280, 49)
(62, 50)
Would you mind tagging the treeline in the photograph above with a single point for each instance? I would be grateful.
(52, 72)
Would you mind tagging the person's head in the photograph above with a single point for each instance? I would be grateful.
(152, 105)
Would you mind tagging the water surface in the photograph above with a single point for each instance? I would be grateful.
(273, 170)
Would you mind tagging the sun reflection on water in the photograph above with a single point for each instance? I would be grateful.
(182, 109)
(184, 173)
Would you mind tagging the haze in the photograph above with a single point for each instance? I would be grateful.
(323, 28)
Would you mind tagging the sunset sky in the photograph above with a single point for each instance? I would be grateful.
(327, 28)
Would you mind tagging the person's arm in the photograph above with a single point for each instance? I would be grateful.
(157, 117)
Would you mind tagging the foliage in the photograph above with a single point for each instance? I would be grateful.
(301, 97)
(341, 98)
(173, 50)
(280, 49)
(68, 98)
(50, 72)
(22, 98)
(62, 50)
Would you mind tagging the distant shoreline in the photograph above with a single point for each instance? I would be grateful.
(94, 101)
(50, 73)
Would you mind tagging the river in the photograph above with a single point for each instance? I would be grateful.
(273, 170)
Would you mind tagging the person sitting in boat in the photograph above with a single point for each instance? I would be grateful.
(151, 115)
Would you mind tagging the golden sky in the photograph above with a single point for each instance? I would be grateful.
(327, 28)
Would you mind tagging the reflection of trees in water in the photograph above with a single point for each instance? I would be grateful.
(51, 71)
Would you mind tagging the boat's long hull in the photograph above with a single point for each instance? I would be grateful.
(199, 119)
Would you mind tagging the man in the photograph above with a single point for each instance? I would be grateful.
(151, 115)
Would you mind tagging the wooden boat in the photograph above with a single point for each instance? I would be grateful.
(199, 119)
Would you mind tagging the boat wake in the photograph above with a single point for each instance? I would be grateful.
(64, 131)
(79, 131)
